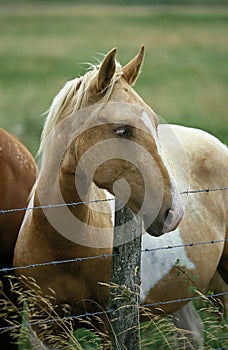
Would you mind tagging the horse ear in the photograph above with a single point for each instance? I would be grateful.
(132, 69)
(107, 70)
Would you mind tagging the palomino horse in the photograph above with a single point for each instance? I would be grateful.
(18, 174)
(200, 266)
(99, 134)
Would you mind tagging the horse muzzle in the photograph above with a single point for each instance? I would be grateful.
(165, 223)
(174, 217)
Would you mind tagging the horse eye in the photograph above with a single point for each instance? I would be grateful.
(123, 131)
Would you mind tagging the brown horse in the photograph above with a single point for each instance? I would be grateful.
(17, 175)
(99, 134)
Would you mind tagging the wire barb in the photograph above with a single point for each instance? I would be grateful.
(99, 313)
(206, 190)
(105, 256)
(60, 205)
(74, 204)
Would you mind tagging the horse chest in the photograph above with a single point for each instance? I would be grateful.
(76, 285)
(157, 262)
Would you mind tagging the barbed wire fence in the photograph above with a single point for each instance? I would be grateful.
(74, 204)
(110, 310)
(75, 260)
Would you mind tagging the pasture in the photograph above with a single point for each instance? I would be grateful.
(184, 77)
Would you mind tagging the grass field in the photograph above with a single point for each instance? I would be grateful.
(185, 73)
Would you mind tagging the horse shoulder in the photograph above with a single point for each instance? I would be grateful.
(201, 147)
(207, 158)
(205, 167)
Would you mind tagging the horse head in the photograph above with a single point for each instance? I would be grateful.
(119, 149)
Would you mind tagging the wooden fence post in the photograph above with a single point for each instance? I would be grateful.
(125, 281)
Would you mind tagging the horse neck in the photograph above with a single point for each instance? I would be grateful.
(59, 188)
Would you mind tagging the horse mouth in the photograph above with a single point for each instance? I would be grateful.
(157, 231)
(154, 231)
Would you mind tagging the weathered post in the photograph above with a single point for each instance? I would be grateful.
(125, 281)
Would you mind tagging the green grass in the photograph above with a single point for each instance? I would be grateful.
(184, 78)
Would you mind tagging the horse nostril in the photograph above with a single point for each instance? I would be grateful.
(167, 213)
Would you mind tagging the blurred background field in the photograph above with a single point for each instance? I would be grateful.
(45, 43)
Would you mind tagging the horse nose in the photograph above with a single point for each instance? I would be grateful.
(166, 221)
(173, 217)
(174, 214)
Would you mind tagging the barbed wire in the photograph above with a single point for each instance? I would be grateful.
(105, 256)
(60, 205)
(99, 313)
(57, 262)
(213, 241)
(182, 300)
(206, 190)
(74, 204)
(56, 319)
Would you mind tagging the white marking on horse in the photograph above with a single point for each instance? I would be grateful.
(156, 264)
(146, 120)
(111, 202)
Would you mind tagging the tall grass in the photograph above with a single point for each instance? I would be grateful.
(184, 78)
(53, 323)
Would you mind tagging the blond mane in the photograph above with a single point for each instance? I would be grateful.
(71, 98)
